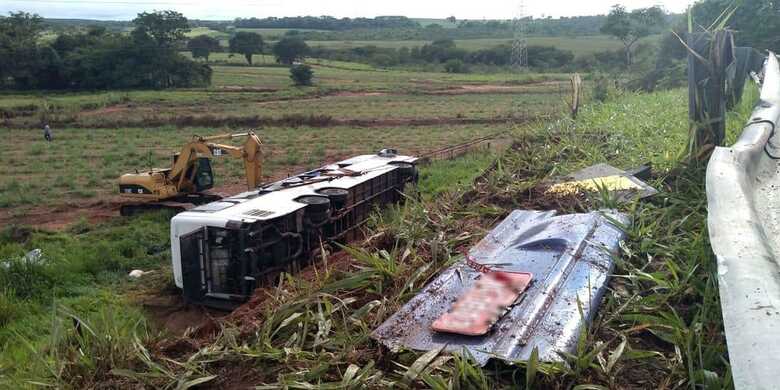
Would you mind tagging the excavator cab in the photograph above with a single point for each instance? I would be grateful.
(204, 177)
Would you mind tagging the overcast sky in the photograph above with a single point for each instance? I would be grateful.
(230, 9)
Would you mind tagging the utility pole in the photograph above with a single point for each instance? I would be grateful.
(520, 42)
(519, 60)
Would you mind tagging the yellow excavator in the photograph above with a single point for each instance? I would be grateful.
(182, 186)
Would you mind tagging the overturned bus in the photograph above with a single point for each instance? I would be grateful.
(223, 250)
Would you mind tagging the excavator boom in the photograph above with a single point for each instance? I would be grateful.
(250, 152)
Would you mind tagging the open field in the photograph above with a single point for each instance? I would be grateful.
(194, 32)
(100, 135)
(578, 45)
(244, 93)
(274, 33)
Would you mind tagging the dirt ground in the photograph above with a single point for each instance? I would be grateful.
(60, 217)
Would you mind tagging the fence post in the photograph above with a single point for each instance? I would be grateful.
(709, 56)
(576, 87)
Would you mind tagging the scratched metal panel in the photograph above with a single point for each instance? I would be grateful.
(743, 201)
(570, 257)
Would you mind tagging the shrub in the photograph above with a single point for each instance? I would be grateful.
(27, 279)
(455, 66)
(600, 87)
(9, 306)
(301, 74)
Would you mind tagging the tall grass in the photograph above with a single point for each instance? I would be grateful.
(83, 269)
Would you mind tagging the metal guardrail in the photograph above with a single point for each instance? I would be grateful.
(453, 151)
(743, 196)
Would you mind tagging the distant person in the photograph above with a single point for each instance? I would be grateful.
(47, 133)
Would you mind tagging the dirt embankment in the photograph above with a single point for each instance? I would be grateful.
(255, 121)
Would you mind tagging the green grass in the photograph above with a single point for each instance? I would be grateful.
(82, 271)
(370, 79)
(236, 85)
(659, 325)
(453, 175)
(367, 107)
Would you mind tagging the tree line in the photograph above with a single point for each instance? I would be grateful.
(292, 48)
(446, 53)
(148, 57)
(98, 58)
(288, 50)
(327, 22)
(327, 28)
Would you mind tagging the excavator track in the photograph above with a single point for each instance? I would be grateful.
(176, 205)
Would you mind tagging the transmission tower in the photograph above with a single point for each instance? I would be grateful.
(520, 42)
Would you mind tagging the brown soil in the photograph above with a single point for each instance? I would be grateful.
(59, 217)
(292, 120)
(358, 94)
(239, 88)
(237, 376)
(168, 311)
(107, 110)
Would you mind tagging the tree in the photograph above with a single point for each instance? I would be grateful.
(290, 49)
(96, 58)
(19, 57)
(247, 44)
(165, 28)
(301, 74)
(756, 21)
(452, 19)
(632, 26)
(202, 46)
